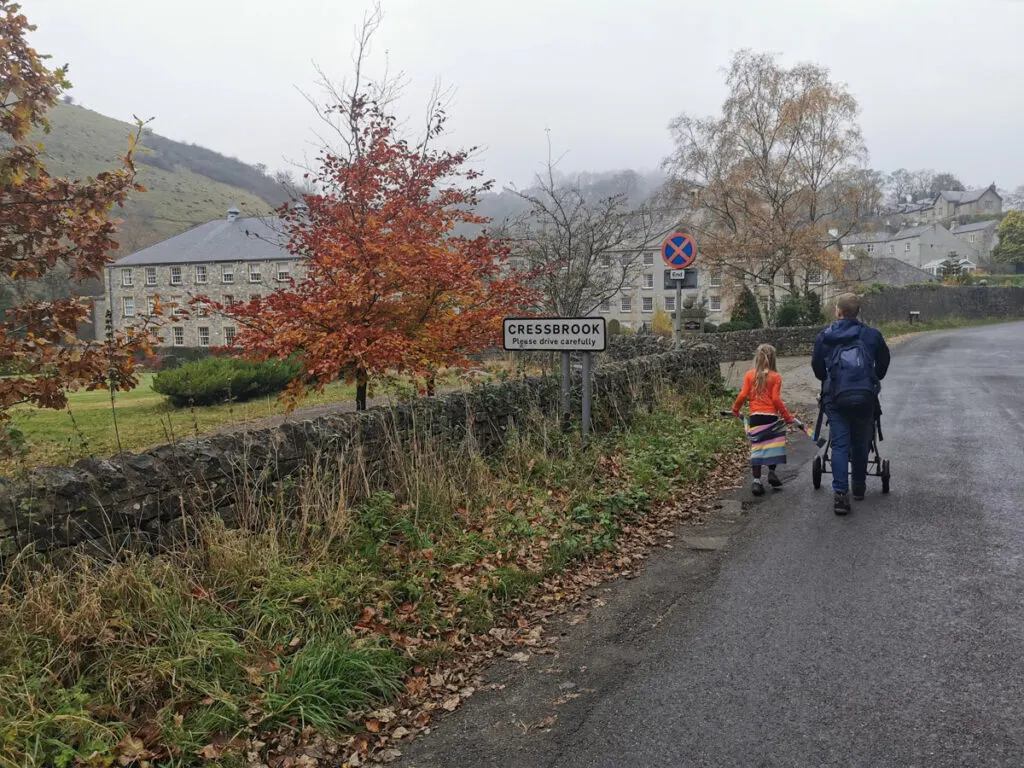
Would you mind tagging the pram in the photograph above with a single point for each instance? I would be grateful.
(877, 466)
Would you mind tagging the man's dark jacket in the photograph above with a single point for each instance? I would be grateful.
(844, 331)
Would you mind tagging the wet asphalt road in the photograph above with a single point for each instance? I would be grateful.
(893, 637)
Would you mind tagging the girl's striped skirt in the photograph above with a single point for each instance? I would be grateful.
(767, 443)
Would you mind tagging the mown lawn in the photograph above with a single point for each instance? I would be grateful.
(144, 419)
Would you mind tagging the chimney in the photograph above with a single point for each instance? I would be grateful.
(233, 213)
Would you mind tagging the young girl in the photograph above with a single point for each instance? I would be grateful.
(762, 386)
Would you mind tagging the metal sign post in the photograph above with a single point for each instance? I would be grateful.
(565, 335)
(679, 252)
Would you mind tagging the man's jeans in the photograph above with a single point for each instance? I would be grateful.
(850, 429)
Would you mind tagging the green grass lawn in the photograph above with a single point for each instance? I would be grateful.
(144, 420)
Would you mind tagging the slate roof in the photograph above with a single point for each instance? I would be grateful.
(975, 227)
(967, 196)
(864, 238)
(244, 239)
(883, 269)
(907, 233)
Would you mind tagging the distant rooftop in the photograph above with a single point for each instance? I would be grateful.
(252, 238)
(975, 227)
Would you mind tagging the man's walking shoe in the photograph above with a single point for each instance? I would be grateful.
(757, 488)
(773, 479)
(858, 491)
(841, 504)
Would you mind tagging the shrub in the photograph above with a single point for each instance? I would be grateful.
(746, 311)
(217, 379)
(799, 310)
(710, 327)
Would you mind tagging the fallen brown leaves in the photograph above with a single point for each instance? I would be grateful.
(517, 635)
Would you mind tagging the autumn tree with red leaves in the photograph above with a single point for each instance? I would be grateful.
(46, 222)
(389, 285)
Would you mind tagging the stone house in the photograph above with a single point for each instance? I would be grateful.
(972, 202)
(228, 260)
(917, 245)
(981, 237)
(947, 206)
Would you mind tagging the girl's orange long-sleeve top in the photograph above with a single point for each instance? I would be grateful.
(768, 400)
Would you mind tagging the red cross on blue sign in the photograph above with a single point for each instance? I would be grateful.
(679, 250)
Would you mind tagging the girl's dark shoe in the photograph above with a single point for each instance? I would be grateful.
(773, 479)
(757, 488)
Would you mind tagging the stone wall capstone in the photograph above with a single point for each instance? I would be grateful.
(731, 345)
(136, 499)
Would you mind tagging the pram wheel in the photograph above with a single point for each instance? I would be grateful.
(816, 473)
(885, 476)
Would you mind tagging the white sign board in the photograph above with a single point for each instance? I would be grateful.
(677, 274)
(554, 334)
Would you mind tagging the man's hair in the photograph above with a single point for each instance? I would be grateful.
(848, 305)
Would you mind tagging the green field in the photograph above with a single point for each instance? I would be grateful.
(144, 420)
(83, 143)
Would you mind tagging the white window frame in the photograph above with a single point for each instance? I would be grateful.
(201, 276)
(284, 271)
(670, 303)
(815, 276)
(649, 259)
(626, 304)
(178, 336)
(127, 278)
(606, 260)
(227, 274)
(892, 249)
(200, 331)
(625, 259)
(150, 275)
(646, 303)
(202, 310)
(151, 305)
(254, 270)
(906, 248)
(128, 306)
(715, 279)
(649, 281)
(870, 248)
(229, 335)
(713, 301)
(972, 237)
(177, 272)
(605, 306)
(179, 308)
(229, 299)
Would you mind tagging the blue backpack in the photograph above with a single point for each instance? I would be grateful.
(851, 373)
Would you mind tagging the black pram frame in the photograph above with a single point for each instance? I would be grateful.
(877, 466)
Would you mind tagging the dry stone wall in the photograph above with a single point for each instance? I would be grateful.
(140, 499)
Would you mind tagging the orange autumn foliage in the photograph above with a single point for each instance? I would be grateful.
(46, 222)
(389, 285)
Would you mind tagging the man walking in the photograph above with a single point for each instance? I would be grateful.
(850, 359)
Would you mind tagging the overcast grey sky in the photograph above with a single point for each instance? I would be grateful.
(939, 81)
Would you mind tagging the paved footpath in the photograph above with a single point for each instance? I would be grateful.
(893, 637)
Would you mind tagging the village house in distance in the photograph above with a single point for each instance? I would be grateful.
(228, 260)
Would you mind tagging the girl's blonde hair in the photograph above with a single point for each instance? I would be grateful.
(764, 361)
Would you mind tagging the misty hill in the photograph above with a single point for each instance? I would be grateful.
(187, 185)
(506, 205)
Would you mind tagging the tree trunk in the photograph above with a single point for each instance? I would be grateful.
(361, 381)
(431, 384)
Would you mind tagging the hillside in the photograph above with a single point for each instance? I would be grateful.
(187, 185)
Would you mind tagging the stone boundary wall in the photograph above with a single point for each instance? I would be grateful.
(937, 302)
(140, 499)
(731, 346)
